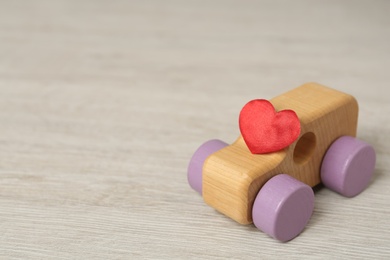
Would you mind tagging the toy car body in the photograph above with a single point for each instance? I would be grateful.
(232, 178)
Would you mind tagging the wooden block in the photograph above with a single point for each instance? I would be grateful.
(233, 176)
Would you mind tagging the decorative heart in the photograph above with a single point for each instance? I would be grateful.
(265, 130)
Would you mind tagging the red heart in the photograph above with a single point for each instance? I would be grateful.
(265, 130)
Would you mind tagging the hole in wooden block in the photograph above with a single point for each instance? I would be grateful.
(304, 148)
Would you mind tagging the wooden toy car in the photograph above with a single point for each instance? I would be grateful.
(274, 190)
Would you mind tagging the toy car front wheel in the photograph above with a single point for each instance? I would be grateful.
(348, 166)
(194, 173)
(283, 207)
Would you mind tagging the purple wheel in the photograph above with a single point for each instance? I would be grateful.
(348, 166)
(195, 167)
(283, 207)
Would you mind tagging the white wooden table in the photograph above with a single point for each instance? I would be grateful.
(102, 104)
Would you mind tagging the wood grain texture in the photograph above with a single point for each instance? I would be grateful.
(233, 176)
(102, 104)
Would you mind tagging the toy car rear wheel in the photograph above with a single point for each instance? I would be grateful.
(283, 207)
(194, 173)
(348, 166)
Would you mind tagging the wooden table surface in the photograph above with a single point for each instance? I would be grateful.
(102, 104)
